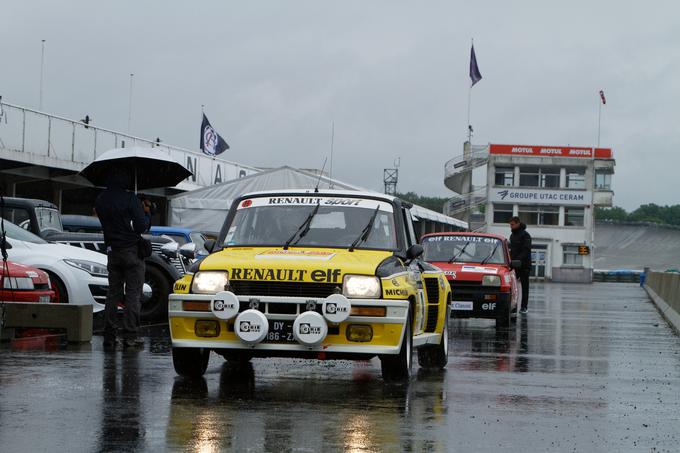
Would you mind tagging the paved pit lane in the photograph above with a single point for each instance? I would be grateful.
(591, 368)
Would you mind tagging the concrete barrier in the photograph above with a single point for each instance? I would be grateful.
(664, 290)
(75, 319)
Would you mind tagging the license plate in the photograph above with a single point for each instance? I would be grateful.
(280, 332)
(463, 305)
(44, 299)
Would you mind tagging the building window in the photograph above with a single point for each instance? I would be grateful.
(539, 177)
(573, 216)
(603, 180)
(571, 256)
(505, 176)
(576, 178)
(502, 213)
(539, 215)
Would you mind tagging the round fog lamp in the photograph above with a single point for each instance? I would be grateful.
(336, 308)
(251, 326)
(310, 328)
(224, 305)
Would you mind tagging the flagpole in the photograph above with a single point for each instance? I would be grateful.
(599, 120)
(468, 114)
(130, 104)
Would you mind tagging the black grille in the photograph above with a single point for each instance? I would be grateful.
(432, 315)
(284, 289)
(175, 262)
(432, 289)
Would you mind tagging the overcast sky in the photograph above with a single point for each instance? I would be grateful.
(392, 75)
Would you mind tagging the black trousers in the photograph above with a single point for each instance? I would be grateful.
(524, 280)
(126, 278)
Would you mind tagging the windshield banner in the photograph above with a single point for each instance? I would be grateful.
(313, 201)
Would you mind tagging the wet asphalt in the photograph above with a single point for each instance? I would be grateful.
(591, 368)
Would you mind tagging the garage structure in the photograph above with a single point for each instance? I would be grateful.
(206, 209)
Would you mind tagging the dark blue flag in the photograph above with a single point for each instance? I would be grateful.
(475, 75)
(211, 142)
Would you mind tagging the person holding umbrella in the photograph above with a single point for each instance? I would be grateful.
(124, 218)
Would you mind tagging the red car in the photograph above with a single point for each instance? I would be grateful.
(480, 272)
(19, 283)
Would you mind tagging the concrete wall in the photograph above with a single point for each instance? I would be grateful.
(664, 289)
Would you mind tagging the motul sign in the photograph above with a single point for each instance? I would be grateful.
(551, 151)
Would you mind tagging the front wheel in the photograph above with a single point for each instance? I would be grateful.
(398, 367)
(190, 362)
(436, 356)
(155, 308)
(503, 316)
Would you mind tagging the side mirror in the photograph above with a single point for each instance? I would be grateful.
(209, 245)
(170, 249)
(415, 251)
(188, 250)
(516, 264)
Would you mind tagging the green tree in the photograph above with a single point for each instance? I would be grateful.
(616, 214)
(433, 203)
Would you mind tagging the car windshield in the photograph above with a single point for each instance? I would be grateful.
(336, 222)
(48, 219)
(16, 232)
(463, 248)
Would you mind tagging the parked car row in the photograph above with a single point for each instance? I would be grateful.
(38, 235)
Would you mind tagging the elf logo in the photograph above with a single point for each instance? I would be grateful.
(490, 306)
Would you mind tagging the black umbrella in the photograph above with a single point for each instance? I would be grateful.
(151, 168)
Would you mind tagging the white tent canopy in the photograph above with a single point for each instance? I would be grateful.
(206, 209)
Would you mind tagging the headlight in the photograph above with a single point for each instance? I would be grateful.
(92, 268)
(209, 282)
(491, 280)
(17, 283)
(361, 286)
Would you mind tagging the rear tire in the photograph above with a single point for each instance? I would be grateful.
(436, 356)
(190, 362)
(398, 367)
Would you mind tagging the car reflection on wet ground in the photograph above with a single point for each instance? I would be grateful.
(590, 368)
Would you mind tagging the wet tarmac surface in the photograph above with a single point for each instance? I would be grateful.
(590, 368)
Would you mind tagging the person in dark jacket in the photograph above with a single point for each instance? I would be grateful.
(520, 249)
(123, 219)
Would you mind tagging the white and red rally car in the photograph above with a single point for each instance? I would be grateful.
(480, 272)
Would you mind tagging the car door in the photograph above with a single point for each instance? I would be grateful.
(415, 272)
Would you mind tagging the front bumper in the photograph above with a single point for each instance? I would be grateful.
(481, 302)
(387, 330)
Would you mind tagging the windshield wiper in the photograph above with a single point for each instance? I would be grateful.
(366, 232)
(303, 229)
(491, 254)
(460, 252)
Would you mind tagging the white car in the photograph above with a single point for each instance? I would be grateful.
(77, 275)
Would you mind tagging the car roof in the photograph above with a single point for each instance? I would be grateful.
(170, 229)
(29, 202)
(464, 233)
(321, 193)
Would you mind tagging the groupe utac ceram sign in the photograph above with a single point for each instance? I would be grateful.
(551, 151)
(540, 196)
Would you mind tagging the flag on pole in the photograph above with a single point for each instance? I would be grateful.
(211, 142)
(475, 75)
(604, 101)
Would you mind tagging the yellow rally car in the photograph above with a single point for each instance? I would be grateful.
(319, 275)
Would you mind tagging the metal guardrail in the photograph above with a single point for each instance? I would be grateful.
(76, 144)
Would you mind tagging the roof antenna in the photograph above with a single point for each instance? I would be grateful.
(316, 189)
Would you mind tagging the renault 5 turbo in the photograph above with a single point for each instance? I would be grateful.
(317, 275)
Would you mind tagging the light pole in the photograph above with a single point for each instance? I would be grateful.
(130, 104)
(42, 67)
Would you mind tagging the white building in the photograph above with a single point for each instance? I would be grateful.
(553, 190)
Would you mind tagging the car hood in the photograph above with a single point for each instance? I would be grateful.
(470, 271)
(295, 264)
(64, 251)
